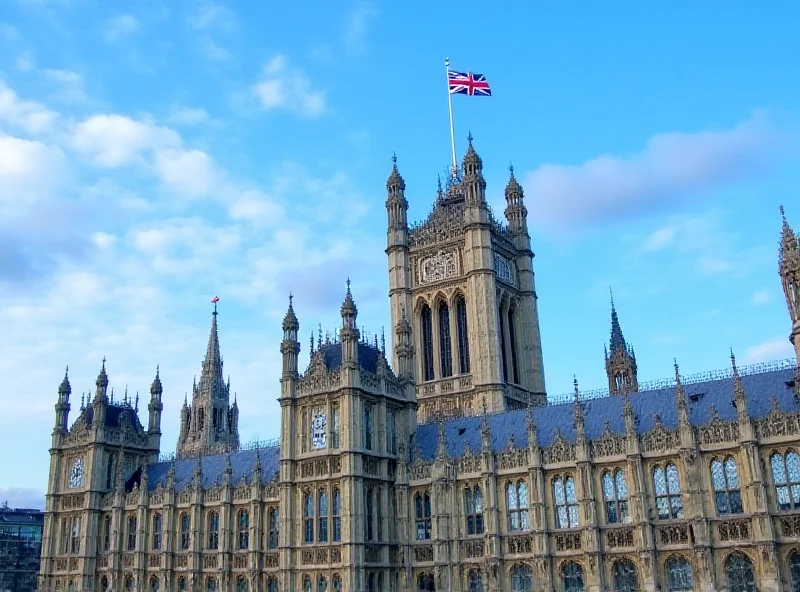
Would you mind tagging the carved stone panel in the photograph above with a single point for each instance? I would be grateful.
(442, 266)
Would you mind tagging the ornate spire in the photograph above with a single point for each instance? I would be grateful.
(789, 270)
(472, 163)
(621, 366)
(65, 389)
(486, 433)
(680, 399)
(156, 388)
(349, 309)
(789, 246)
(102, 381)
(441, 448)
(395, 184)
(580, 430)
(212, 382)
(739, 398)
(290, 322)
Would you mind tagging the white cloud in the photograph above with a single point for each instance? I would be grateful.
(113, 140)
(285, 87)
(214, 50)
(356, 26)
(673, 166)
(191, 173)
(778, 348)
(660, 239)
(71, 84)
(30, 116)
(208, 14)
(121, 26)
(179, 115)
(28, 171)
(257, 208)
(761, 297)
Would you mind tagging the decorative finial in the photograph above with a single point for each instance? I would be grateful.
(383, 341)
(104, 363)
(611, 294)
(783, 214)
(511, 168)
(348, 285)
(484, 406)
(575, 385)
(469, 137)
(137, 401)
(394, 157)
(214, 301)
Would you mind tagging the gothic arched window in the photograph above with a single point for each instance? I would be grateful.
(794, 570)
(503, 339)
(473, 509)
(369, 521)
(572, 577)
(336, 583)
(185, 526)
(241, 584)
(615, 492)
(155, 585)
(517, 502)
(425, 583)
(157, 527)
(211, 584)
(445, 344)
(213, 530)
(131, 533)
(463, 335)
(512, 342)
(181, 584)
(368, 426)
(308, 513)
(422, 513)
(322, 584)
(624, 576)
(129, 586)
(427, 343)
(566, 501)
(107, 534)
(786, 476)
(307, 585)
(243, 526)
(739, 573)
(667, 485)
(725, 479)
(322, 534)
(337, 518)
(475, 581)
(273, 528)
(521, 579)
(272, 584)
(680, 577)
(372, 583)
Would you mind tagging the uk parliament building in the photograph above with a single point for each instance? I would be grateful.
(438, 462)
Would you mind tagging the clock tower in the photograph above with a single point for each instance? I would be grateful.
(345, 423)
(465, 282)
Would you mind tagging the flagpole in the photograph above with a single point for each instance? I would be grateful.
(450, 105)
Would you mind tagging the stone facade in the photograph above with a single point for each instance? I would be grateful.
(457, 476)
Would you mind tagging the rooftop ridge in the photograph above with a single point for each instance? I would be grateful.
(699, 377)
(246, 447)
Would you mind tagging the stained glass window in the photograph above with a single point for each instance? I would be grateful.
(475, 581)
(445, 347)
(322, 534)
(157, 524)
(241, 584)
(273, 528)
(521, 579)
(422, 512)
(624, 576)
(615, 492)
(517, 502)
(679, 574)
(572, 577)
(272, 585)
(739, 573)
(794, 570)
(786, 476)
(244, 529)
(667, 486)
(425, 583)
(213, 530)
(512, 341)
(337, 519)
(473, 509)
(566, 501)
(725, 480)
(185, 525)
(308, 513)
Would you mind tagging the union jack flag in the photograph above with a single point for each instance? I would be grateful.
(468, 83)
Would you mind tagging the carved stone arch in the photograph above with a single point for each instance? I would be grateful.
(457, 292)
(439, 297)
(420, 301)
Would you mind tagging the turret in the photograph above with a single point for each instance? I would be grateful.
(516, 212)
(396, 207)
(290, 346)
(349, 333)
(789, 270)
(620, 360)
(62, 405)
(404, 350)
(100, 401)
(473, 182)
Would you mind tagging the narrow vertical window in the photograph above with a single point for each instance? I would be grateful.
(427, 343)
(445, 347)
(185, 524)
(725, 480)
(335, 426)
(75, 539)
(615, 492)
(624, 576)
(213, 530)
(512, 341)
(131, 533)
(337, 519)
(422, 513)
(370, 508)
(463, 335)
(157, 527)
(304, 431)
(107, 534)
(391, 438)
(517, 506)
(322, 533)
(378, 514)
(308, 510)
(680, 577)
(273, 528)
(473, 508)
(244, 529)
(368, 426)
(572, 577)
(503, 343)
(110, 470)
(786, 477)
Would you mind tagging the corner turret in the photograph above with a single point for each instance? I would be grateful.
(516, 212)
(62, 404)
(789, 270)
(620, 360)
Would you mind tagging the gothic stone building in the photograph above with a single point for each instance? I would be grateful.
(448, 468)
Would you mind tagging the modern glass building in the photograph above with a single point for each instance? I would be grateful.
(20, 548)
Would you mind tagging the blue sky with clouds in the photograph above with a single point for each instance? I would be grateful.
(156, 153)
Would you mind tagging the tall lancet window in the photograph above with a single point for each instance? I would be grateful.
(463, 335)
(445, 347)
(503, 344)
(427, 343)
(512, 341)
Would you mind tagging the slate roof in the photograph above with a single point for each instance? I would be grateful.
(243, 465)
(368, 356)
(113, 413)
(701, 397)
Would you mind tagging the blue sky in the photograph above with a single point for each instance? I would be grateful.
(154, 154)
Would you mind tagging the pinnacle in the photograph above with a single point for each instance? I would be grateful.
(472, 162)
(65, 388)
(395, 182)
(617, 339)
(156, 388)
(349, 306)
(290, 322)
(790, 245)
(211, 380)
